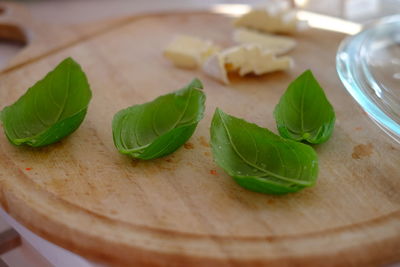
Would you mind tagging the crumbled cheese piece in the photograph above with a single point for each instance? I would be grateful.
(244, 59)
(271, 20)
(189, 52)
(253, 59)
(215, 68)
(277, 44)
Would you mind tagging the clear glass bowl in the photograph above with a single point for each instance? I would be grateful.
(369, 66)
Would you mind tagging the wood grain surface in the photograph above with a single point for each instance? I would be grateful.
(183, 210)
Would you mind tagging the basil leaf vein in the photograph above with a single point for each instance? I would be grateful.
(259, 160)
(157, 128)
(304, 113)
(51, 109)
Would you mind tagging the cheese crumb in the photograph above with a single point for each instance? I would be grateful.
(215, 68)
(277, 44)
(189, 52)
(245, 59)
(271, 20)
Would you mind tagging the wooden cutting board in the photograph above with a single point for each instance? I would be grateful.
(183, 210)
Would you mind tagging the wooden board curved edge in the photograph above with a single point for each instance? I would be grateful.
(346, 244)
(35, 35)
(220, 252)
(38, 45)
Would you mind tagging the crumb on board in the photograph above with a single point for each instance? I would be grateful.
(362, 150)
(203, 141)
(188, 145)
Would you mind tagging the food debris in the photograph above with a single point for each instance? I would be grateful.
(188, 145)
(362, 150)
(245, 59)
(203, 141)
(270, 201)
(278, 18)
(189, 52)
(277, 44)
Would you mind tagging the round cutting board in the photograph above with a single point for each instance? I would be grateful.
(183, 210)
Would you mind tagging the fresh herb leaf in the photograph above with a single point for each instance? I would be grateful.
(304, 113)
(259, 160)
(159, 127)
(51, 109)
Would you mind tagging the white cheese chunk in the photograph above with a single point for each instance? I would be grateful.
(244, 59)
(276, 21)
(189, 52)
(277, 44)
(215, 68)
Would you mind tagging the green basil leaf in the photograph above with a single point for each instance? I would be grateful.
(51, 109)
(159, 127)
(304, 113)
(259, 160)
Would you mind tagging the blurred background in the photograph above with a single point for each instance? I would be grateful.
(75, 11)
(83, 11)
